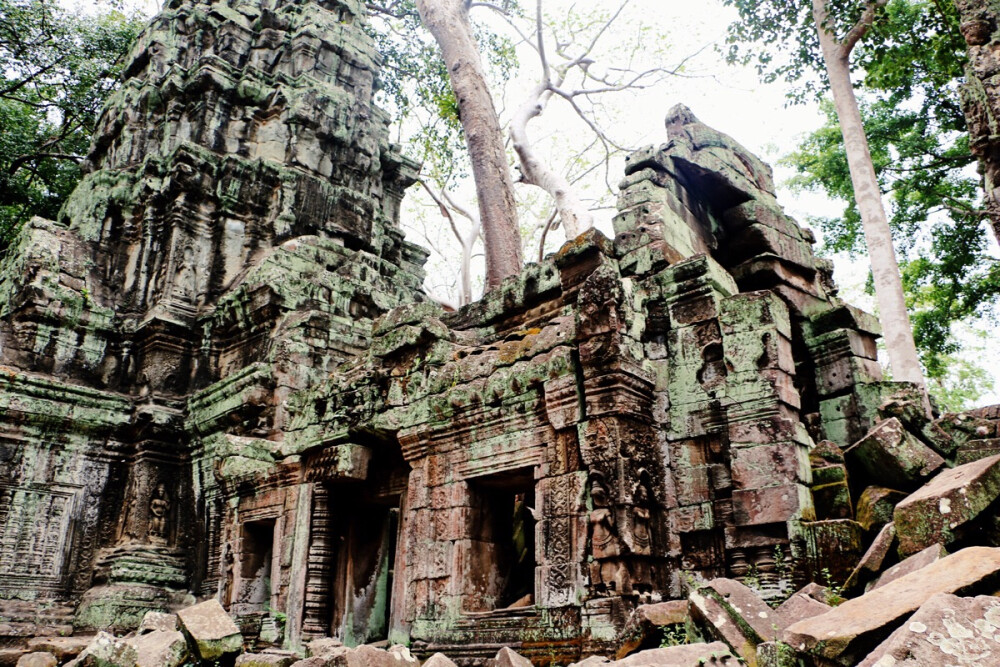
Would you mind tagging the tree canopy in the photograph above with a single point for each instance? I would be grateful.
(59, 67)
(917, 132)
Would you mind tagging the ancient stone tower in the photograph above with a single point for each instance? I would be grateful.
(235, 234)
(219, 377)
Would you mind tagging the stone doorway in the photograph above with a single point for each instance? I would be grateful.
(255, 588)
(365, 536)
(502, 548)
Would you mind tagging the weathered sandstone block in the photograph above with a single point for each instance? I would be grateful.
(210, 629)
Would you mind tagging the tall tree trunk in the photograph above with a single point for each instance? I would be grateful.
(895, 320)
(980, 24)
(448, 22)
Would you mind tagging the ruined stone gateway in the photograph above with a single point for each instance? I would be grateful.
(220, 377)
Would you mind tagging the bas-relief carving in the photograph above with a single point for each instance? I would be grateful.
(34, 529)
(159, 515)
(607, 571)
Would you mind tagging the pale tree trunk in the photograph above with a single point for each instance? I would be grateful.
(895, 320)
(448, 22)
(468, 240)
(573, 213)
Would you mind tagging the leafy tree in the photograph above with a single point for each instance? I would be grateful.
(825, 37)
(58, 68)
(920, 151)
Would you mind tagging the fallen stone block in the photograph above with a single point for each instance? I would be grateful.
(37, 659)
(323, 645)
(847, 633)
(315, 661)
(160, 648)
(366, 655)
(264, 660)
(892, 455)
(833, 548)
(645, 626)
(876, 505)
(402, 655)
(592, 661)
(915, 562)
(974, 450)
(63, 648)
(731, 612)
(938, 511)
(105, 650)
(962, 427)
(802, 604)
(687, 655)
(210, 629)
(880, 553)
(946, 630)
(831, 494)
(507, 657)
(439, 660)
(156, 620)
(820, 594)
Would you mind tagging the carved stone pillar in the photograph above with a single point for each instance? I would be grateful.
(316, 612)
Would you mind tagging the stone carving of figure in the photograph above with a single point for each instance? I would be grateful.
(605, 546)
(228, 565)
(641, 532)
(128, 529)
(184, 286)
(159, 507)
(642, 535)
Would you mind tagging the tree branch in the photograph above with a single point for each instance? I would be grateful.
(18, 162)
(860, 28)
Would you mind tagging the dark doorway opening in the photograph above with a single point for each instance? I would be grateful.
(503, 542)
(256, 556)
(365, 535)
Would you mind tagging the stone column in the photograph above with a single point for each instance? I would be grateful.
(316, 614)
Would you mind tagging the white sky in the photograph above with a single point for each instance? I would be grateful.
(727, 98)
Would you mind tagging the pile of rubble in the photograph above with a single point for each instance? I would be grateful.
(206, 635)
(921, 549)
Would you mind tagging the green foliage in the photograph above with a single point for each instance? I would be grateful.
(59, 67)
(963, 383)
(673, 635)
(916, 130)
(834, 595)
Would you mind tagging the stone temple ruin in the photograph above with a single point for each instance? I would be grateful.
(221, 380)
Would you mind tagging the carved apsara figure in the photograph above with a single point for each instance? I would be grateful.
(606, 572)
(228, 565)
(127, 528)
(159, 508)
(184, 282)
(641, 516)
(642, 535)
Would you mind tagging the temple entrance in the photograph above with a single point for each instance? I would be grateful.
(364, 538)
(256, 566)
(502, 542)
